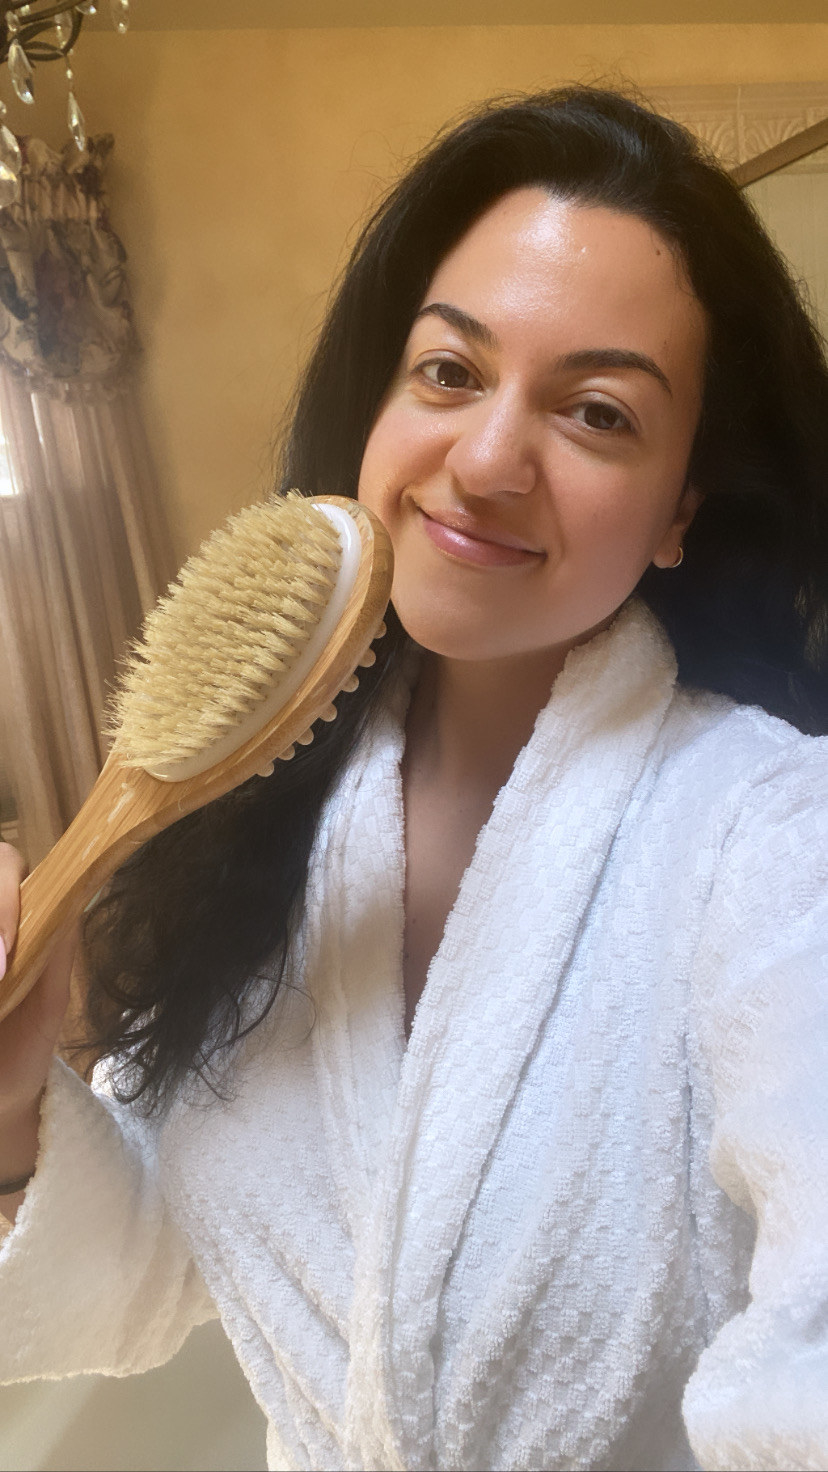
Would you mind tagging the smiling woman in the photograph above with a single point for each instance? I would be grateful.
(525, 1163)
(541, 421)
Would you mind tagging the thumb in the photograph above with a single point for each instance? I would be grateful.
(12, 870)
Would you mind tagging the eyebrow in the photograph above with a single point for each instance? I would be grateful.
(594, 359)
(599, 358)
(469, 326)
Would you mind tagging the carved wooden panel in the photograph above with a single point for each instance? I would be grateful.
(739, 122)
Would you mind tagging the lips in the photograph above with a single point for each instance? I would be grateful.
(462, 536)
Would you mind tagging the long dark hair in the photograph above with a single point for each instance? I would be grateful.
(206, 908)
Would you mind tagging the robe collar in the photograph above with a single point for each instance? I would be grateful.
(410, 1129)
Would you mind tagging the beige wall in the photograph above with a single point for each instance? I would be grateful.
(243, 160)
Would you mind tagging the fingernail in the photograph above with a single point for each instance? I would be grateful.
(2, 958)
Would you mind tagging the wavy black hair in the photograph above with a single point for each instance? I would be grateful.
(198, 921)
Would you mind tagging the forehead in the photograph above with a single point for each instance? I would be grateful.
(535, 268)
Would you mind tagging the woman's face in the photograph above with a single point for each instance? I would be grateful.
(530, 458)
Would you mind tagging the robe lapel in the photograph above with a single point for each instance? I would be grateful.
(353, 966)
(490, 987)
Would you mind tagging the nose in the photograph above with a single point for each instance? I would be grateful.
(494, 453)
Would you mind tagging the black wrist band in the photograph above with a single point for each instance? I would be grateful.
(10, 1188)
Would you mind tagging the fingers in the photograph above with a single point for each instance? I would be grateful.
(12, 872)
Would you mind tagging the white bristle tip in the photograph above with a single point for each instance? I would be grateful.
(368, 659)
(352, 683)
(286, 756)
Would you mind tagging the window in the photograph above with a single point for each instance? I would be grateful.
(7, 486)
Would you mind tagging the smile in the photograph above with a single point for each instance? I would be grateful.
(461, 537)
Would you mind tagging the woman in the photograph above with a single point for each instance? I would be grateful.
(529, 1150)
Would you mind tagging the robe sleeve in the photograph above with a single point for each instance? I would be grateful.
(759, 1395)
(95, 1276)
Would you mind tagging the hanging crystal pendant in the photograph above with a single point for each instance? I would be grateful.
(63, 27)
(10, 155)
(21, 72)
(11, 163)
(89, 7)
(77, 126)
(120, 15)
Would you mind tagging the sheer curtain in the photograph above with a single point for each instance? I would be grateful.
(83, 545)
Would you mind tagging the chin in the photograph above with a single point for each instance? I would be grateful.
(441, 631)
(454, 630)
(448, 636)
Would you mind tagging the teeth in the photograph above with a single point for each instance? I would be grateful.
(368, 659)
(328, 714)
(383, 629)
(266, 771)
(285, 756)
(306, 738)
(351, 683)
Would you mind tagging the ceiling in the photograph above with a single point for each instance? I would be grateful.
(170, 15)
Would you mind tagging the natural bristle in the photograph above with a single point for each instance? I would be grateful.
(234, 622)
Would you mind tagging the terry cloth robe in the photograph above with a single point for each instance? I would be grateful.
(592, 1186)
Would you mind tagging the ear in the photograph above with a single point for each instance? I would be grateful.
(669, 547)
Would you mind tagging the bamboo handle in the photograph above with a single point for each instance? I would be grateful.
(101, 837)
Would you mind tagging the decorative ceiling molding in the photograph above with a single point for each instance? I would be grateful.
(737, 123)
(228, 15)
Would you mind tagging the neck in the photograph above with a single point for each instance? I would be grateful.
(469, 718)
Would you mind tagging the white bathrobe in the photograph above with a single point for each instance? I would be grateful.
(603, 1153)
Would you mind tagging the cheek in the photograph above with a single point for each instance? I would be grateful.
(626, 505)
(404, 448)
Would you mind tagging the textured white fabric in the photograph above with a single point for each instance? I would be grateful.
(502, 1246)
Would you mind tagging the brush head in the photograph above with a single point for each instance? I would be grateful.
(232, 636)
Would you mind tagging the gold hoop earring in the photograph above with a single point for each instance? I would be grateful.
(679, 560)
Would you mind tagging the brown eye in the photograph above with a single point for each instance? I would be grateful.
(602, 416)
(446, 373)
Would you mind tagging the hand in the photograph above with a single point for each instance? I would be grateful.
(29, 1035)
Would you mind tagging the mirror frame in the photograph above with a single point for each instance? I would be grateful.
(789, 151)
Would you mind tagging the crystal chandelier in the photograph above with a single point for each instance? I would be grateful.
(32, 31)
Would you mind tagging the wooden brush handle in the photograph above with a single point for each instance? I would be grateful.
(102, 836)
(127, 806)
